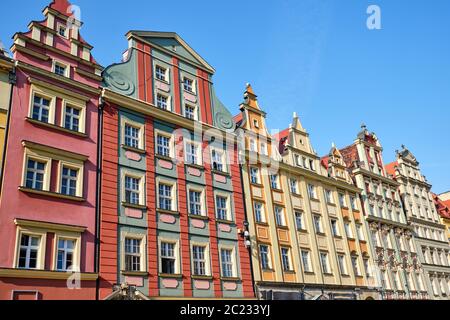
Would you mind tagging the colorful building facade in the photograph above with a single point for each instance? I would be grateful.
(400, 274)
(422, 215)
(172, 212)
(7, 80)
(48, 192)
(305, 218)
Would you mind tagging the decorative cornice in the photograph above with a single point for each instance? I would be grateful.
(375, 176)
(55, 151)
(47, 275)
(49, 226)
(58, 89)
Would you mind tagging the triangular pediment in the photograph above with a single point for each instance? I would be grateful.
(174, 44)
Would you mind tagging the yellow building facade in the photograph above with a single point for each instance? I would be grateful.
(304, 214)
(6, 79)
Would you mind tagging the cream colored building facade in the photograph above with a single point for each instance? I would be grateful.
(308, 239)
(398, 268)
(430, 233)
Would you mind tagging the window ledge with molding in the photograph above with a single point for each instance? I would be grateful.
(52, 194)
(202, 277)
(137, 150)
(198, 217)
(162, 211)
(230, 222)
(56, 127)
(135, 273)
(231, 279)
(170, 276)
(134, 206)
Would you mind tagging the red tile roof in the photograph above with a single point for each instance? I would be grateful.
(443, 207)
(238, 118)
(349, 155)
(282, 137)
(390, 168)
(324, 161)
(61, 6)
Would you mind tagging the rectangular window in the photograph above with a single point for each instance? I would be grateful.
(161, 73)
(265, 257)
(168, 258)
(286, 259)
(132, 190)
(199, 260)
(329, 196)
(360, 232)
(163, 145)
(192, 153)
(69, 181)
(348, 230)
(254, 175)
(195, 203)
(312, 191)
(29, 251)
(253, 147)
(279, 216)
(299, 221)
(306, 261)
(222, 208)
(165, 197)
(274, 181)
(342, 201)
(259, 212)
(354, 203)
(355, 266)
(218, 160)
(132, 255)
(342, 265)
(227, 263)
(190, 112)
(294, 186)
(65, 254)
(324, 263)
(367, 268)
(188, 85)
(60, 69)
(35, 174)
(62, 31)
(318, 224)
(162, 102)
(132, 136)
(334, 228)
(72, 119)
(264, 149)
(41, 109)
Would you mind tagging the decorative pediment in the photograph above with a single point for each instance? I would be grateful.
(173, 43)
(407, 155)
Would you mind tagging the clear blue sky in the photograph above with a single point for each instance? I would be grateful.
(313, 57)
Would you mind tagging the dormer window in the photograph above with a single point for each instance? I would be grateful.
(62, 30)
(60, 69)
(256, 123)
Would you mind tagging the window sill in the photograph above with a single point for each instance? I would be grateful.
(170, 276)
(321, 234)
(162, 211)
(268, 270)
(259, 185)
(286, 228)
(229, 222)
(161, 157)
(277, 190)
(292, 272)
(232, 279)
(202, 277)
(52, 194)
(134, 206)
(262, 224)
(310, 273)
(56, 127)
(302, 231)
(162, 81)
(135, 273)
(198, 217)
(190, 92)
(338, 237)
(222, 173)
(128, 148)
(195, 166)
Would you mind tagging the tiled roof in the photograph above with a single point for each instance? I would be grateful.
(282, 137)
(238, 119)
(443, 207)
(324, 162)
(349, 155)
(390, 168)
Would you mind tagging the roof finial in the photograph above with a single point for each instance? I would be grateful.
(403, 147)
(363, 126)
(295, 115)
(333, 145)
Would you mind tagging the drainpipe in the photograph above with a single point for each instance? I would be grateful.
(98, 194)
(255, 290)
(12, 81)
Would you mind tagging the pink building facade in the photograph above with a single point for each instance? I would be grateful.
(49, 189)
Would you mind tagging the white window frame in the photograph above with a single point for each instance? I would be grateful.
(233, 261)
(176, 249)
(342, 264)
(82, 117)
(207, 258)
(140, 126)
(307, 266)
(228, 204)
(166, 73)
(171, 142)
(168, 101)
(35, 156)
(194, 84)
(326, 269)
(203, 210)
(72, 236)
(173, 193)
(269, 256)
(282, 216)
(40, 263)
(293, 185)
(66, 30)
(223, 158)
(61, 65)
(199, 152)
(194, 113)
(262, 214)
(135, 175)
(80, 176)
(289, 258)
(143, 250)
(258, 175)
(35, 91)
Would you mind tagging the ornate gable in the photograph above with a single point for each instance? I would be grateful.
(407, 156)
